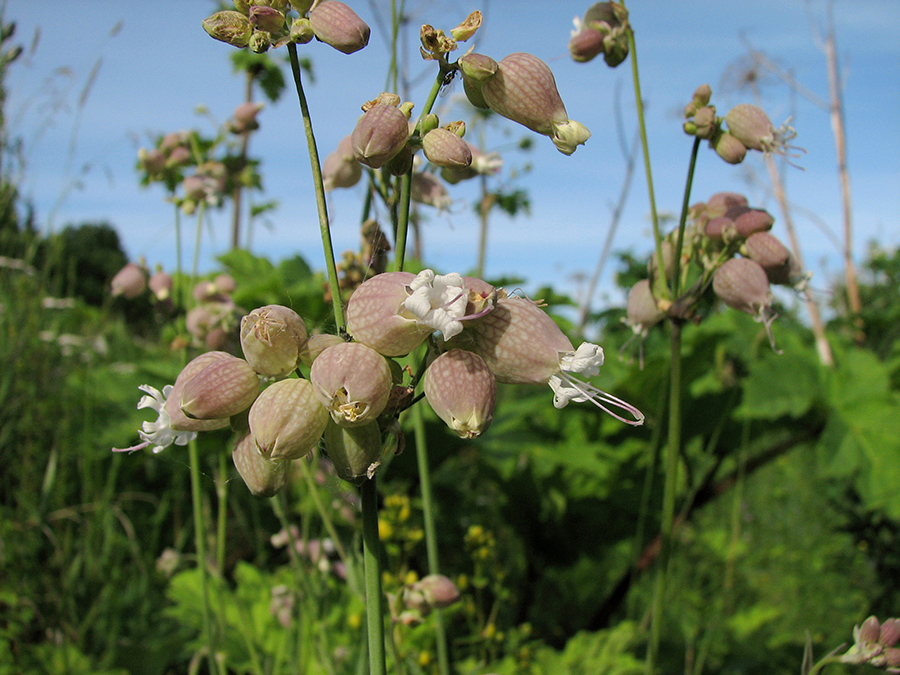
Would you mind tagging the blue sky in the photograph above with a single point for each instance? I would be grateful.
(79, 159)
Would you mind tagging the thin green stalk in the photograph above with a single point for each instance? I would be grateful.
(682, 223)
(323, 514)
(372, 565)
(673, 450)
(316, 167)
(180, 290)
(645, 145)
(673, 446)
(195, 265)
(222, 511)
(200, 545)
(406, 179)
(431, 547)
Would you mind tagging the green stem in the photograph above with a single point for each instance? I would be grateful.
(673, 451)
(431, 546)
(682, 223)
(222, 515)
(200, 545)
(324, 225)
(406, 180)
(372, 564)
(323, 513)
(645, 145)
(195, 265)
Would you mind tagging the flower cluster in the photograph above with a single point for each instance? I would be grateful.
(263, 24)
(875, 643)
(726, 245)
(748, 128)
(478, 336)
(603, 30)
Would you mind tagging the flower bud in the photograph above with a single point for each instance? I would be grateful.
(335, 24)
(354, 451)
(316, 344)
(260, 41)
(889, 633)
(129, 282)
(221, 389)
(340, 169)
(524, 90)
(462, 391)
(287, 420)
(180, 421)
(476, 69)
(434, 591)
(869, 631)
(444, 148)
(352, 381)
(705, 122)
(771, 255)
(229, 26)
(585, 44)
(742, 285)
(376, 317)
(748, 220)
(271, 338)
(266, 19)
(427, 189)
(750, 125)
(160, 285)
(301, 31)
(244, 117)
(519, 341)
(720, 202)
(263, 477)
(730, 148)
(379, 135)
(643, 312)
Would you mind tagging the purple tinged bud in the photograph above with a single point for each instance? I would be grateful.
(524, 90)
(263, 477)
(643, 312)
(180, 421)
(705, 122)
(771, 255)
(427, 189)
(266, 19)
(476, 69)
(160, 285)
(353, 382)
(702, 95)
(379, 135)
(730, 148)
(870, 630)
(434, 591)
(376, 318)
(260, 41)
(585, 45)
(519, 341)
(287, 420)
(355, 452)
(129, 282)
(462, 390)
(890, 634)
(229, 26)
(748, 221)
(271, 338)
(340, 169)
(316, 344)
(719, 203)
(742, 285)
(221, 389)
(750, 125)
(444, 148)
(335, 24)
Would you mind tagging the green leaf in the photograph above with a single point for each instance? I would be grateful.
(780, 385)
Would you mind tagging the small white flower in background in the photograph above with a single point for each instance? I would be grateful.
(438, 301)
(586, 361)
(160, 433)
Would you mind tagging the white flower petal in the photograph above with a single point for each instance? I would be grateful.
(438, 301)
(586, 360)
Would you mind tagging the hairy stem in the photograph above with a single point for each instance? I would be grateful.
(372, 565)
(200, 545)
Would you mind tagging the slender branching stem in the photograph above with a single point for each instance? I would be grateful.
(321, 205)
(200, 546)
(372, 566)
(661, 288)
(431, 547)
